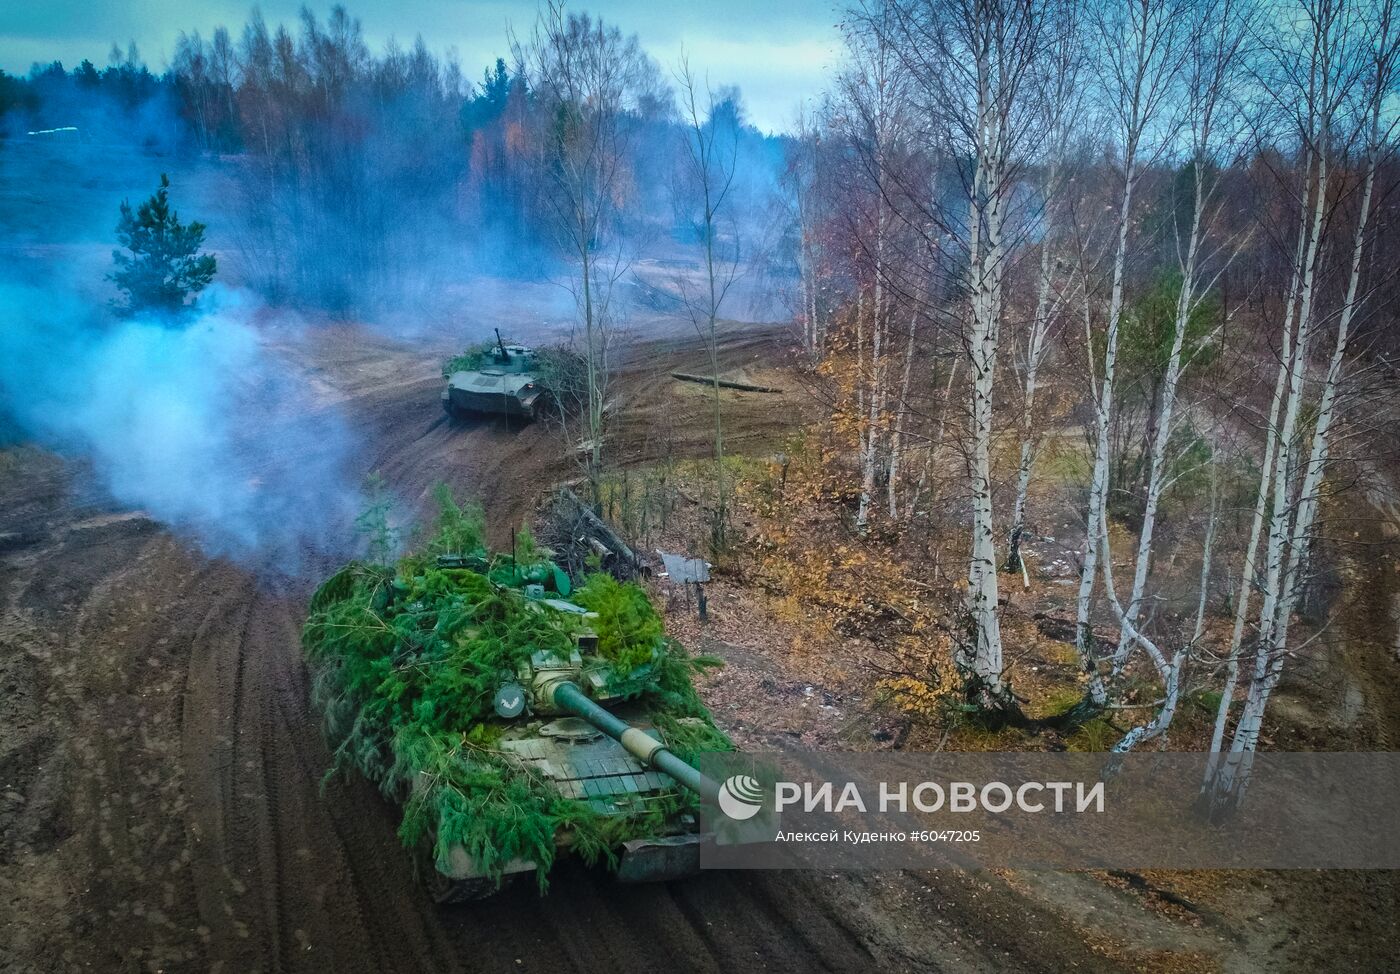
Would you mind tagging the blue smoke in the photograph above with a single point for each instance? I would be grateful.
(200, 425)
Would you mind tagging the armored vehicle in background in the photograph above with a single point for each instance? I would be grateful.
(503, 380)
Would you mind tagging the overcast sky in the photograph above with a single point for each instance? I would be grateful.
(777, 51)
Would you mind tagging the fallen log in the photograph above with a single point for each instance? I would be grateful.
(599, 534)
(707, 380)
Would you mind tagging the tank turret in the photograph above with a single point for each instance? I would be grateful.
(520, 715)
(555, 689)
(573, 722)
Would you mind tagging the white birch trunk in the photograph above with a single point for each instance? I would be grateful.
(901, 417)
(1035, 349)
(1291, 528)
(1098, 485)
(1256, 529)
(983, 665)
(1141, 69)
(1157, 464)
(875, 403)
(1168, 669)
(1281, 516)
(1271, 654)
(1207, 549)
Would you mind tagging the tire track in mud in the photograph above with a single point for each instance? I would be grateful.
(322, 869)
(209, 751)
(301, 891)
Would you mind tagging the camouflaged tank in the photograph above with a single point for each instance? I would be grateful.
(564, 722)
(504, 382)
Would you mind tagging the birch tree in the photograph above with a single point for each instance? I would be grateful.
(587, 74)
(1061, 101)
(802, 179)
(1213, 77)
(1335, 73)
(1140, 46)
(712, 145)
(901, 417)
(975, 63)
(875, 109)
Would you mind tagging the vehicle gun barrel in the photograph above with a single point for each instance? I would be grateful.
(566, 696)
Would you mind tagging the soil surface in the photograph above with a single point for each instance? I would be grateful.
(163, 799)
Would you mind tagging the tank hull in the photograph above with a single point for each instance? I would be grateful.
(581, 763)
(660, 860)
(464, 402)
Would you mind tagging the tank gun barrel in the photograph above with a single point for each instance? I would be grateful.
(566, 696)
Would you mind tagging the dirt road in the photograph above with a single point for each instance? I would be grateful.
(162, 802)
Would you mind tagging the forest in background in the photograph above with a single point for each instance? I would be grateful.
(361, 179)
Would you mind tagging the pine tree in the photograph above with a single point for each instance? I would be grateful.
(164, 268)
